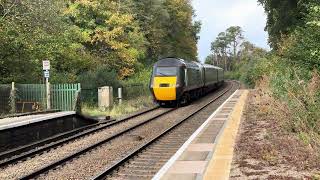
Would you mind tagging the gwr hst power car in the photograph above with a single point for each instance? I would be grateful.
(176, 81)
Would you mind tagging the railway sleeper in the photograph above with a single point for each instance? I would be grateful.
(138, 163)
(159, 153)
(137, 172)
(163, 151)
(149, 159)
(129, 176)
(145, 167)
(158, 156)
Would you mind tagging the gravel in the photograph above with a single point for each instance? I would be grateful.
(25, 167)
(98, 159)
(91, 163)
(147, 163)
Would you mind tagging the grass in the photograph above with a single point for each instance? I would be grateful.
(118, 110)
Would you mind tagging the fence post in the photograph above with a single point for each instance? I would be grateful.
(13, 98)
(78, 103)
(48, 93)
(120, 95)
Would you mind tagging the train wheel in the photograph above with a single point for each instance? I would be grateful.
(183, 101)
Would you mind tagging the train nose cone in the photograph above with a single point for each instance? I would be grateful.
(164, 88)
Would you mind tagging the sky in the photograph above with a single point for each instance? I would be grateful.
(217, 15)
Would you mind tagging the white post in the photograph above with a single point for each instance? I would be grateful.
(48, 93)
(120, 95)
(13, 98)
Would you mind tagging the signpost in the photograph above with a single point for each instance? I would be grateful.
(46, 70)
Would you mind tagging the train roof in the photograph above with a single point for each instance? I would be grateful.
(172, 61)
(211, 66)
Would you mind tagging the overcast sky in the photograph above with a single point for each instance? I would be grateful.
(217, 15)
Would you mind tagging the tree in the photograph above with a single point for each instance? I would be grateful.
(34, 30)
(182, 32)
(220, 48)
(283, 17)
(109, 32)
(153, 18)
(234, 35)
(249, 51)
(80, 35)
(210, 59)
(301, 49)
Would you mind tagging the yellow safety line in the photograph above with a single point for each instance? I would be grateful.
(220, 164)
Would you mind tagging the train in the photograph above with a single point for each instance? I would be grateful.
(175, 81)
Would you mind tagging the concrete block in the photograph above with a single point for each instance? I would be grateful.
(105, 97)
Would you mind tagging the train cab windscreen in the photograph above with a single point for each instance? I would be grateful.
(166, 71)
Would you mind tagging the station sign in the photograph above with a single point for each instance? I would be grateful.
(46, 65)
(46, 74)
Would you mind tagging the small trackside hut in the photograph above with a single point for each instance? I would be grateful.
(176, 81)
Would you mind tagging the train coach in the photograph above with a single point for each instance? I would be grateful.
(175, 81)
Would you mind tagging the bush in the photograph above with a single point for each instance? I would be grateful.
(102, 76)
(249, 72)
(91, 81)
(137, 85)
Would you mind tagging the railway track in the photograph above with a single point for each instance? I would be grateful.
(145, 161)
(27, 151)
(47, 170)
(19, 160)
(24, 149)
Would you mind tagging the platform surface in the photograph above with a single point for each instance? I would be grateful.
(13, 122)
(208, 153)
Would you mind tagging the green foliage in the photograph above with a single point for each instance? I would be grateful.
(299, 89)
(108, 31)
(141, 77)
(249, 72)
(292, 72)
(283, 17)
(302, 47)
(31, 31)
(80, 35)
(234, 36)
(241, 59)
(182, 33)
(210, 59)
(226, 44)
(137, 85)
(120, 110)
(102, 76)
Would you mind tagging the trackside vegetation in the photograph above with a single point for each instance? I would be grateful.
(80, 36)
(292, 69)
(95, 43)
(290, 72)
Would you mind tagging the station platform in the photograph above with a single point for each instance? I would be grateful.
(208, 153)
(13, 122)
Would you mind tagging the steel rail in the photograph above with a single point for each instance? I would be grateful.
(16, 155)
(85, 150)
(116, 165)
(25, 148)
